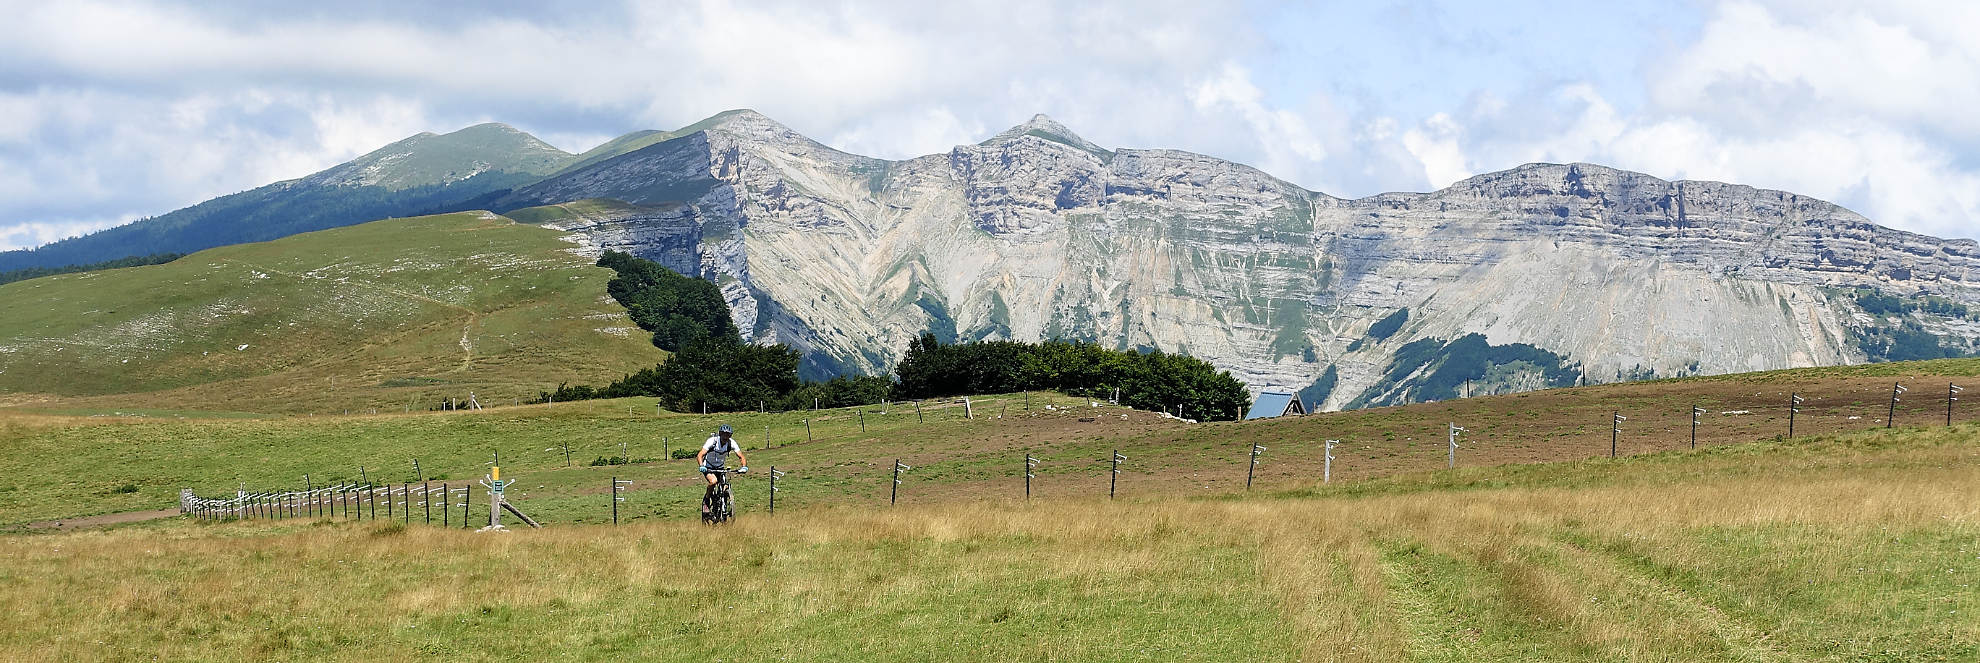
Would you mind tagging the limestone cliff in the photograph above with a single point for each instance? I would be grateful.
(1037, 233)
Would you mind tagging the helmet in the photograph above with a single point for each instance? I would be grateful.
(725, 429)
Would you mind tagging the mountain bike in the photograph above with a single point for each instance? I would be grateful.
(719, 507)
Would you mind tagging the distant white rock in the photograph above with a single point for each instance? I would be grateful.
(1037, 233)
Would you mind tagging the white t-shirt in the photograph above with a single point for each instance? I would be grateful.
(718, 452)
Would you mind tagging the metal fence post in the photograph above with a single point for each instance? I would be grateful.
(1794, 407)
(1030, 464)
(446, 509)
(1454, 445)
(1695, 411)
(774, 476)
(1616, 432)
(1114, 476)
(1253, 468)
(1890, 418)
(1327, 465)
(1952, 394)
(895, 494)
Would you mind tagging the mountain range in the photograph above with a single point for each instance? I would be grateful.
(1541, 275)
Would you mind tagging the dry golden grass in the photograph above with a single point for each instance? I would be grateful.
(1855, 548)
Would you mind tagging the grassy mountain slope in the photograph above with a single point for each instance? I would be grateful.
(628, 143)
(392, 314)
(423, 173)
(574, 210)
(428, 159)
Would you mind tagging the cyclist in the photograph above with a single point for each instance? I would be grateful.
(715, 456)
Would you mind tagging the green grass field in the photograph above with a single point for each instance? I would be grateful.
(1846, 542)
(74, 463)
(389, 315)
(1846, 548)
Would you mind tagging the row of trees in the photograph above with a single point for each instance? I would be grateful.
(133, 261)
(1154, 380)
(712, 367)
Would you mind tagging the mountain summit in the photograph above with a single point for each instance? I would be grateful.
(1040, 126)
(428, 159)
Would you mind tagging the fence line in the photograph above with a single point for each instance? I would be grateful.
(359, 501)
(342, 500)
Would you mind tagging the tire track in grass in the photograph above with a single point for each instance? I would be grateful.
(1742, 641)
(1453, 610)
(1331, 590)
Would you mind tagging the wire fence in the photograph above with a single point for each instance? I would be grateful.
(447, 504)
(425, 503)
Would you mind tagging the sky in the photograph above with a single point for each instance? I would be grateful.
(110, 112)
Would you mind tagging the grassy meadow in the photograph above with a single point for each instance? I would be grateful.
(1847, 542)
(389, 315)
(1851, 547)
(75, 462)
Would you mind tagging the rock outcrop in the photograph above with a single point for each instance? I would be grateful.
(1037, 233)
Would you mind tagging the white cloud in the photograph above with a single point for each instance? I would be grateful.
(107, 108)
(36, 233)
(1868, 108)
(1282, 134)
(72, 160)
(908, 133)
(1755, 66)
(156, 105)
(1435, 144)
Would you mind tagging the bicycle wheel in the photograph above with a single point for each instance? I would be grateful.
(725, 510)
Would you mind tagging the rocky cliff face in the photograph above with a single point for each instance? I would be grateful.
(1037, 233)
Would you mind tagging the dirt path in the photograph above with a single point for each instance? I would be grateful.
(103, 520)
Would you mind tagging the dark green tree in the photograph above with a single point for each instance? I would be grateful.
(678, 310)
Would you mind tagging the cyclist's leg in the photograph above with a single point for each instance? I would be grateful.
(708, 495)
